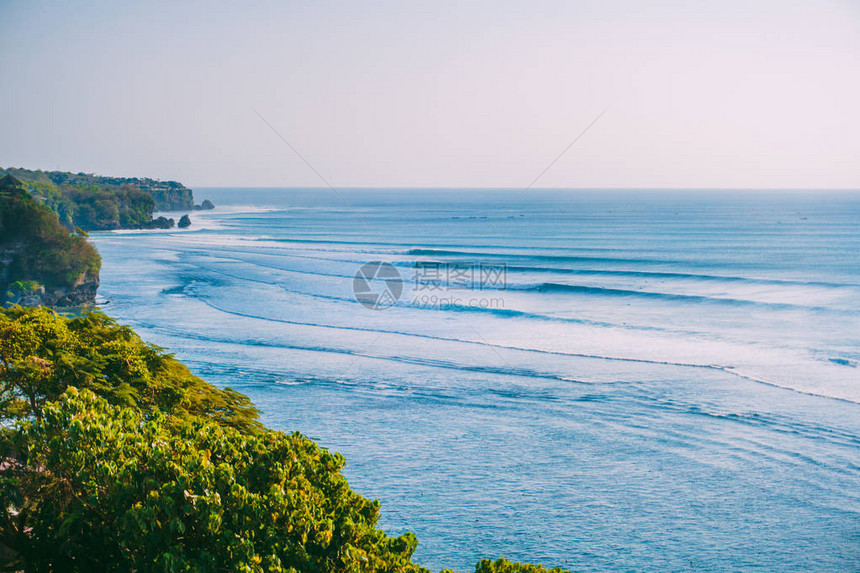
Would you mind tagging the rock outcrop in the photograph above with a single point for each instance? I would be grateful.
(81, 293)
(158, 223)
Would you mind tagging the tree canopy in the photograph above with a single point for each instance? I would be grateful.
(115, 457)
(43, 353)
(102, 487)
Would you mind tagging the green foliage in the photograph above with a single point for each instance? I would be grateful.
(105, 488)
(114, 457)
(43, 353)
(98, 208)
(505, 566)
(41, 248)
(24, 286)
(95, 202)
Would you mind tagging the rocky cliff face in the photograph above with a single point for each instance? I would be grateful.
(169, 196)
(82, 293)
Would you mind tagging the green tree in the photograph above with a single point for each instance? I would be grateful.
(94, 487)
(43, 353)
(505, 566)
(149, 468)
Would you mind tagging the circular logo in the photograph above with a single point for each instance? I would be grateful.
(377, 285)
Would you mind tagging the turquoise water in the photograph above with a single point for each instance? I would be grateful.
(598, 380)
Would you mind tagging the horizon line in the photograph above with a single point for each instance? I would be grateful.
(491, 188)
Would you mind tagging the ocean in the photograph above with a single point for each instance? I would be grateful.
(598, 380)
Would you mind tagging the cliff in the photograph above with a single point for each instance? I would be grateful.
(168, 195)
(98, 203)
(41, 261)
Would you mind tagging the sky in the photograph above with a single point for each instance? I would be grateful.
(717, 94)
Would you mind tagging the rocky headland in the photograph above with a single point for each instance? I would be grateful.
(42, 262)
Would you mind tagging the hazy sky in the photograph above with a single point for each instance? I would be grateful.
(700, 94)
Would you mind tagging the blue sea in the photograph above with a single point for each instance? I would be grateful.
(598, 380)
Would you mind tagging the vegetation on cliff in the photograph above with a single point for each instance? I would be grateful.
(42, 354)
(94, 202)
(97, 208)
(36, 248)
(115, 457)
(150, 468)
(505, 566)
(138, 491)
